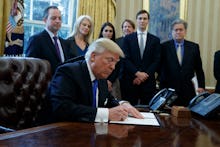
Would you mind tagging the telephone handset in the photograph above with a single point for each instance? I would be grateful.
(206, 104)
(198, 98)
(164, 97)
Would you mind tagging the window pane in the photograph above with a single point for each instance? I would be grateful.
(27, 9)
(31, 29)
(38, 9)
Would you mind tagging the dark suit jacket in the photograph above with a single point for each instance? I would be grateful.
(70, 93)
(217, 70)
(174, 75)
(133, 62)
(41, 46)
(120, 41)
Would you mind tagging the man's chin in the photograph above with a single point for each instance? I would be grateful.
(105, 76)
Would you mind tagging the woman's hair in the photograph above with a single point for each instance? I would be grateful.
(110, 25)
(77, 25)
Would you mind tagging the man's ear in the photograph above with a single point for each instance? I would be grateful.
(92, 57)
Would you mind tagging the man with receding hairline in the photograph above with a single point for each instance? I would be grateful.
(180, 62)
(43, 45)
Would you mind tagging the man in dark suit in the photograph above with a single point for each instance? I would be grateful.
(43, 45)
(127, 27)
(217, 70)
(142, 51)
(71, 90)
(180, 61)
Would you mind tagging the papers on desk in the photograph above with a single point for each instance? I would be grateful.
(149, 119)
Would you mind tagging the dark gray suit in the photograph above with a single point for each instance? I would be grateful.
(179, 77)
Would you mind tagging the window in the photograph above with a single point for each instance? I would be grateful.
(33, 15)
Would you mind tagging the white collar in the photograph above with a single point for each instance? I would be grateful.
(50, 33)
(139, 32)
(92, 76)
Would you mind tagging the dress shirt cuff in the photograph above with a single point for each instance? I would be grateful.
(122, 102)
(102, 115)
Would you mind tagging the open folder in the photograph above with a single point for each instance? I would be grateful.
(149, 119)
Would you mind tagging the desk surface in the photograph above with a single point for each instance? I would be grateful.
(172, 132)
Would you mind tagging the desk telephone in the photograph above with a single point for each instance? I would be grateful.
(206, 104)
(164, 97)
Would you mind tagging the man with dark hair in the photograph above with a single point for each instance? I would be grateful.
(180, 61)
(142, 57)
(127, 27)
(47, 44)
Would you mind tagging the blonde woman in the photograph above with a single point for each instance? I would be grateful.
(79, 39)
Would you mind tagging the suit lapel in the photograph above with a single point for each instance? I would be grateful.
(88, 81)
(186, 52)
(102, 86)
(137, 47)
(147, 44)
(102, 95)
(173, 52)
(50, 44)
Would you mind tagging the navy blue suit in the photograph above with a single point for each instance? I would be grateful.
(217, 70)
(70, 93)
(133, 63)
(41, 46)
(179, 77)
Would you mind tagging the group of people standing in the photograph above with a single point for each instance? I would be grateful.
(124, 67)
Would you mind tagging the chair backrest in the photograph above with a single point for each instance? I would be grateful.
(23, 85)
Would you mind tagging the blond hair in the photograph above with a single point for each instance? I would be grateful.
(102, 44)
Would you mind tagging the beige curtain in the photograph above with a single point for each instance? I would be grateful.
(100, 11)
(5, 6)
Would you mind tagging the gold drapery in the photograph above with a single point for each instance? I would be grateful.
(5, 6)
(100, 11)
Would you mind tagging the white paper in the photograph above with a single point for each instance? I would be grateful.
(149, 119)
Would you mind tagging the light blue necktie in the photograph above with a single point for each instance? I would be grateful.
(142, 47)
(179, 55)
(94, 90)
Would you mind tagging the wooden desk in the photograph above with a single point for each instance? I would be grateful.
(172, 133)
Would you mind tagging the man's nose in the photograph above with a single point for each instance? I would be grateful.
(112, 66)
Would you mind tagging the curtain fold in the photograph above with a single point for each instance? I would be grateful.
(5, 6)
(100, 11)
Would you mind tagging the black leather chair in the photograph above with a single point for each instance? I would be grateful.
(23, 85)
